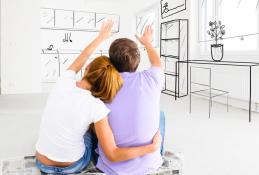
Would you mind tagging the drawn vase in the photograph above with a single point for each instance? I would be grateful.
(217, 52)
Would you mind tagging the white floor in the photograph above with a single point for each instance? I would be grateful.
(226, 144)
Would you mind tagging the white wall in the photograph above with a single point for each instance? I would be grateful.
(21, 37)
(20, 41)
(0, 42)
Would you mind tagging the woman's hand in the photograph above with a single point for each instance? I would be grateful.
(106, 30)
(147, 36)
(113, 152)
(156, 144)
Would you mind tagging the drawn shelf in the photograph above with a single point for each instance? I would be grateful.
(169, 39)
(173, 48)
(170, 73)
(170, 56)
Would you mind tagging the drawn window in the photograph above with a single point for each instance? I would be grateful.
(240, 18)
(148, 18)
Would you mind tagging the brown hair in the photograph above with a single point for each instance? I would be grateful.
(124, 55)
(104, 78)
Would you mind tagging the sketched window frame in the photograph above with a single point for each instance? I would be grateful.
(145, 12)
(204, 39)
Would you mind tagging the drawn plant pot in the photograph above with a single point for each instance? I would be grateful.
(217, 52)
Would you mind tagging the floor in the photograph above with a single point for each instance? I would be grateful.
(226, 144)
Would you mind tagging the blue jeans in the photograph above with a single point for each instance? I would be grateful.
(90, 145)
(162, 130)
(91, 141)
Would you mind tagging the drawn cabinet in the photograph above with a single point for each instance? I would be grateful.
(173, 48)
(72, 20)
(49, 66)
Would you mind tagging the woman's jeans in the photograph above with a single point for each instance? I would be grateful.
(91, 141)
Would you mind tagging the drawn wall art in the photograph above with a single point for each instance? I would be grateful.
(148, 18)
(72, 20)
(171, 7)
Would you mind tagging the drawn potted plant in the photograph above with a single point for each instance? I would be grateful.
(216, 32)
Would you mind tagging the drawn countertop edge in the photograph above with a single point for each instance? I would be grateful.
(75, 29)
(223, 63)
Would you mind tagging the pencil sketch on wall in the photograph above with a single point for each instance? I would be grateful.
(242, 29)
(171, 7)
(148, 17)
(72, 20)
(54, 62)
(64, 33)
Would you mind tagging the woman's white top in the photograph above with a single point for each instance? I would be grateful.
(67, 116)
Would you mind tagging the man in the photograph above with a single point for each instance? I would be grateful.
(134, 116)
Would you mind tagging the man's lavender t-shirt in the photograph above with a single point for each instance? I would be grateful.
(134, 119)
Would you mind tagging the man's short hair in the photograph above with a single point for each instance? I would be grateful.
(124, 55)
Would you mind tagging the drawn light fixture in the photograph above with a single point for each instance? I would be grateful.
(216, 32)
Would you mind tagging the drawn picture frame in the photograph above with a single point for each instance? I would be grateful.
(171, 7)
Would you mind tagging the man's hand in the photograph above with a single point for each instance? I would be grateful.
(147, 36)
(106, 30)
(146, 40)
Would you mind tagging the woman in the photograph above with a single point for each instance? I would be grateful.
(64, 146)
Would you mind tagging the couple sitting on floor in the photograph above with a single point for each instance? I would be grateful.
(122, 104)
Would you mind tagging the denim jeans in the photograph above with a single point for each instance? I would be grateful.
(91, 141)
(162, 130)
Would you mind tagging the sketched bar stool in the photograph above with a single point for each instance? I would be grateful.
(204, 89)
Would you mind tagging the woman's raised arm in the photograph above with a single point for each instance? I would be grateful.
(105, 32)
